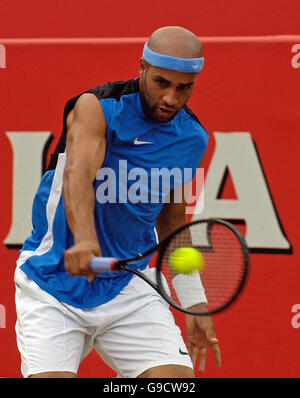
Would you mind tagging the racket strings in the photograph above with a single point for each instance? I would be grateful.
(224, 267)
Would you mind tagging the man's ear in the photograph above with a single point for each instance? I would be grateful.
(142, 66)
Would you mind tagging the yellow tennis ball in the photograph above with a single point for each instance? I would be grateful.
(186, 259)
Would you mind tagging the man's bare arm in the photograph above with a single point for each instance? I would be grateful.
(85, 148)
(200, 332)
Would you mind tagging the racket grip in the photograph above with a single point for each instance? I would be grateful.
(103, 264)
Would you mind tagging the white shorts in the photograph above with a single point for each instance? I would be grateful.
(132, 333)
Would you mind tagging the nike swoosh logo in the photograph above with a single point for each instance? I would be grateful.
(183, 352)
(138, 142)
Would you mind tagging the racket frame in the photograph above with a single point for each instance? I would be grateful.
(209, 248)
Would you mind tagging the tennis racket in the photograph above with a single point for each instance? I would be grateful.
(226, 263)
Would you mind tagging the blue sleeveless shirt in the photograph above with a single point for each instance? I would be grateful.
(130, 191)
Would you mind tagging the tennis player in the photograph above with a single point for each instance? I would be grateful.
(64, 310)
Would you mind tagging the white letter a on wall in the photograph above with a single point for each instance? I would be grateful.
(236, 153)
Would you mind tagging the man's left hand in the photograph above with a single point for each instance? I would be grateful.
(200, 335)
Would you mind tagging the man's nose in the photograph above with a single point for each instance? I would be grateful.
(170, 98)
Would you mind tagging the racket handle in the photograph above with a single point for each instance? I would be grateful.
(103, 264)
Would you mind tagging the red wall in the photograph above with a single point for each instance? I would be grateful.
(247, 85)
(137, 18)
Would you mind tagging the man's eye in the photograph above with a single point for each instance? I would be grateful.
(185, 87)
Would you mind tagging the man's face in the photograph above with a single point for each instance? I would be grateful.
(164, 92)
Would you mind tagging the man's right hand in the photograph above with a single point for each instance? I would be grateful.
(77, 258)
